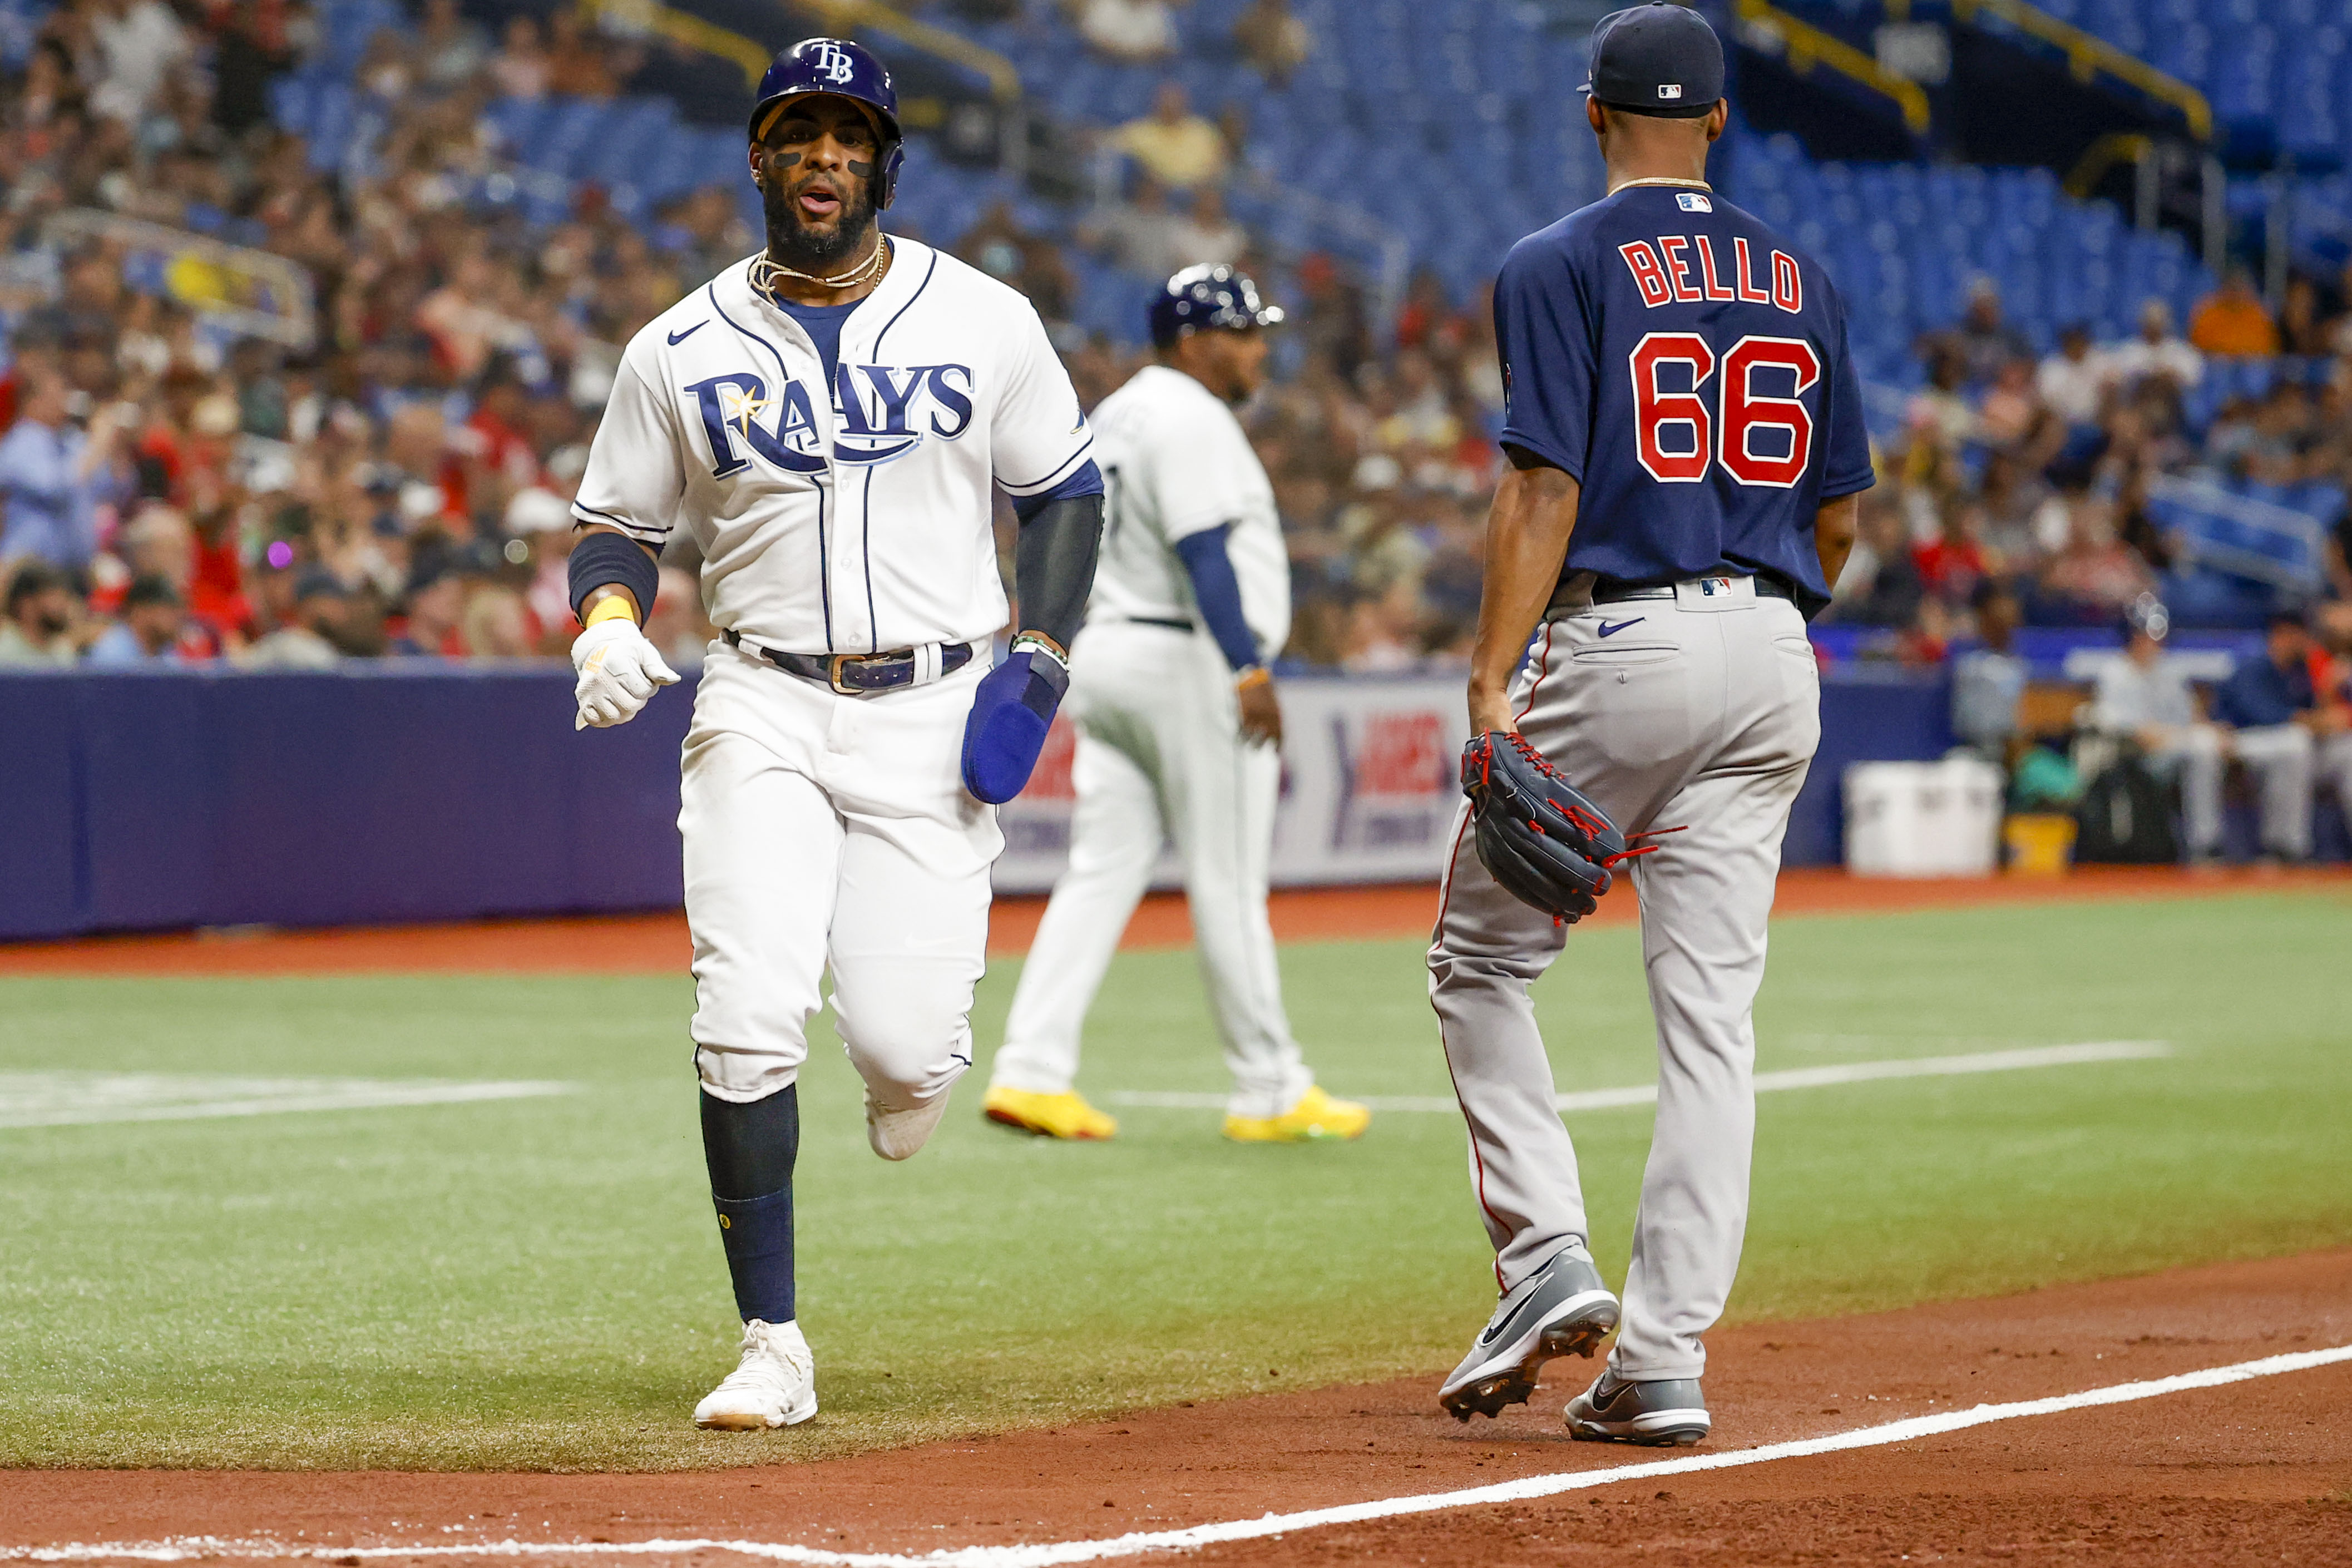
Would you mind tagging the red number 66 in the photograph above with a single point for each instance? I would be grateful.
(1699, 435)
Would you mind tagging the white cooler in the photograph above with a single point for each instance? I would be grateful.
(1923, 818)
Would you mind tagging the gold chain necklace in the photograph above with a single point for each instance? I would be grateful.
(1661, 180)
(766, 270)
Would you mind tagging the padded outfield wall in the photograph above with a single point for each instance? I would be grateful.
(392, 793)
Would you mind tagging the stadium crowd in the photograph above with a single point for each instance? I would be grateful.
(174, 492)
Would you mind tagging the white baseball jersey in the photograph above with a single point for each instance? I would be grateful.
(853, 518)
(1176, 460)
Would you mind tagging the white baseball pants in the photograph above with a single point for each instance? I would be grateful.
(2280, 756)
(1700, 712)
(1159, 754)
(829, 829)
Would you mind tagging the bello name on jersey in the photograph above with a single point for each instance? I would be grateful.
(1689, 369)
(1685, 437)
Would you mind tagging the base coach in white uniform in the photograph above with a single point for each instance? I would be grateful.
(827, 420)
(1179, 729)
(1685, 439)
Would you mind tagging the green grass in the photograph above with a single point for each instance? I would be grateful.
(537, 1283)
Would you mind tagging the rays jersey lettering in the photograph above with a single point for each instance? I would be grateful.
(1689, 369)
(882, 412)
(854, 516)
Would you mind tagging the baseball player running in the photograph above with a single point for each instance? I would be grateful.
(1179, 729)
(1684, 436)
(826, 419)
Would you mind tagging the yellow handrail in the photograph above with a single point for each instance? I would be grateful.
(649, 16)
(1807, 44)
(2087, 57)
(2116, 147)
(846, 17)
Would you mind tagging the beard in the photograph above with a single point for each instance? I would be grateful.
(797, 243)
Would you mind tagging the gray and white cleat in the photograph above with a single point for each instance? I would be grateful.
(1562, 1309)
(1666, 1413)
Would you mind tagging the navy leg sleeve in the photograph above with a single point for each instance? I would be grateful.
(750, 1150)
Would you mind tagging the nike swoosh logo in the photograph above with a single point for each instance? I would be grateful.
(677, 337)
(1609, 631)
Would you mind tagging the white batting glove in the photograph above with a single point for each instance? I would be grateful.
(618, 672)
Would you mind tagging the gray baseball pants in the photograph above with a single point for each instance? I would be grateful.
(1697, 712)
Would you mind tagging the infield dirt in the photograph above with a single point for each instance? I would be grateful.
(2253, 1472)
(657, 943)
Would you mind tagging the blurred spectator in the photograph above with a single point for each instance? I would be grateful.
(495, 624)
(1138, 31)
(452, 48)
(1989, 681)
(313, 638)
(577, 63)
(520, 67)
(140, 43)
(2269, 712)
(2231, 320)
(2301, 330)
(436, 602)
(1139, 234)
(1273, 40)
(53, 476)
(2095, 573)
(1880, 586)
(1205, 235)
(2073, 381)
(2156, 353)
(1984, 339)
(1172, 144)
(148, 630)
(41, 614)
(1953, 564)
(2143, 698)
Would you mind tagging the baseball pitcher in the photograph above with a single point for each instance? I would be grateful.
(1684, 438)
(826, 419)
(1179, 729)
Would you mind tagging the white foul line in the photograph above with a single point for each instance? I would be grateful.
(77, 1099)
(1051, 1554)
(1766, 1083)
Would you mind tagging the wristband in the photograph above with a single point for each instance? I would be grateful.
(1255, 675)
(615, 608)
(1037, 641)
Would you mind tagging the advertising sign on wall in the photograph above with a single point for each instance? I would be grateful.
(1368, 789)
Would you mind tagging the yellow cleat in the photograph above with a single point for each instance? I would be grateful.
(1053, 1116)
(1316, 1117)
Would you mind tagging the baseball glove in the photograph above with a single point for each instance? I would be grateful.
(1551, 848)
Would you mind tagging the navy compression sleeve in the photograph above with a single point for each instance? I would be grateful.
(1054, 558)
(1218, 592)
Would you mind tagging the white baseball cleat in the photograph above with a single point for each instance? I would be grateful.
(896, 1134)
(775, 1386)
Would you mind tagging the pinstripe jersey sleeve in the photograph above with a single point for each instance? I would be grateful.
(636, 473)
(1038, 437)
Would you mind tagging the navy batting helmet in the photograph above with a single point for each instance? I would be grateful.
(1208, 296)
(845, 69)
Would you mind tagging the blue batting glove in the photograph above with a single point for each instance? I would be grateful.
(1011, 713)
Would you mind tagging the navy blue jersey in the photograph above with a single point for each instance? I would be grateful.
(1689, 369)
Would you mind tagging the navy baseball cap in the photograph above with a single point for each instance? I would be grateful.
(1660, 59)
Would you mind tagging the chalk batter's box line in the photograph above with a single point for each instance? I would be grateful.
(1054, 1553)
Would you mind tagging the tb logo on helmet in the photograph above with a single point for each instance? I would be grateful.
(833, 62)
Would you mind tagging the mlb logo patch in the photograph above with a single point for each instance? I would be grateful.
(1691, 202)
(1669, 89)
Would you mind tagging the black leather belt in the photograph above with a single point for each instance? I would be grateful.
(1156, 620)
(1618, 593)
(856, 674)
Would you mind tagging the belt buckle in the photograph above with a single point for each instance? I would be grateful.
(833, 664)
